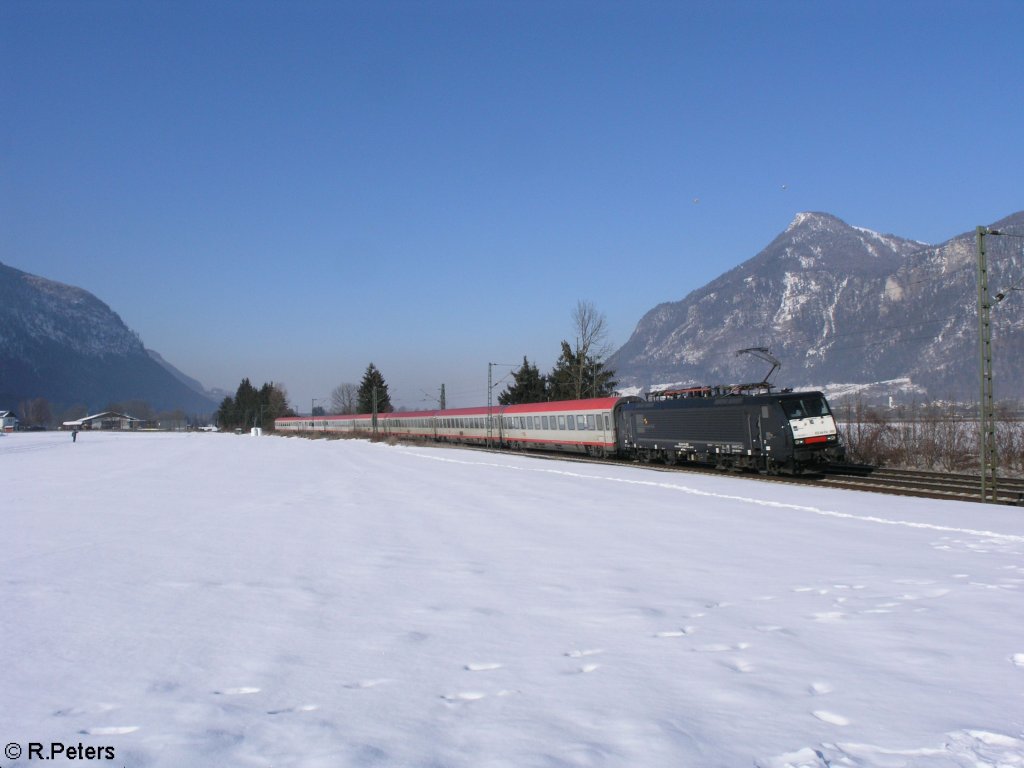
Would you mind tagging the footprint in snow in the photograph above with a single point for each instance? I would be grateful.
(1018, 659)
(463, 696)
(288, 710)
(925, 594)
(830, 717)
(110, 730)
(828, 616)
(242, 691)
(715, 648)
(683, 632)
(819, 688)
(482, 667)
(581, 653)
(361, 684)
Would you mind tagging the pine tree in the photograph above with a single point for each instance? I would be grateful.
(247, 405)
(577, 376)
(225, 415)
(599, 380)
(528, 386)
(563, 380)
(373, 379)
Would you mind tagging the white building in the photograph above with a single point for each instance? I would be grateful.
(108, 420)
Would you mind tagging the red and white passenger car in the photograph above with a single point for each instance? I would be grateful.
(577, 426)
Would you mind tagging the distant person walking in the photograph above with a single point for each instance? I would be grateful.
(74, 435)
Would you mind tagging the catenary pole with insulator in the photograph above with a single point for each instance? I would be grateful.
(986, 407)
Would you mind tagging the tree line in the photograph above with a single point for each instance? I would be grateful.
(939, 436)
(369, 396)
(579, 372)
(39, 413)
(251, 407)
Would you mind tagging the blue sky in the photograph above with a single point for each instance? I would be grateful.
(290, 190)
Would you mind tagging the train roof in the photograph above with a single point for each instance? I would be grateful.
(710, 395)
(591, 404)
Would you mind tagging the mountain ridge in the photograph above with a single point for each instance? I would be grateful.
(62, 343)
(837, 304)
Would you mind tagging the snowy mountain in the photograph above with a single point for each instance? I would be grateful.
(63, 344)
(839, 305)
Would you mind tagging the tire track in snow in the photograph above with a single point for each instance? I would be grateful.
(1007, 537)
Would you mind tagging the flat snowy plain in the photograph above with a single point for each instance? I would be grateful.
(216, 600)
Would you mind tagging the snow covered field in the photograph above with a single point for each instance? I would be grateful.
(215, 600)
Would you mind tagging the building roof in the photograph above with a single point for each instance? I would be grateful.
(95, 416)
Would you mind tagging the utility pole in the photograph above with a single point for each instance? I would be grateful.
(490, 401)
(442, 398)
(986, 413)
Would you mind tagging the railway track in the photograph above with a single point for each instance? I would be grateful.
(854, 477)
(931, 485)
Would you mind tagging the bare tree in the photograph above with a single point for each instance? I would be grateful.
(275, 399)
(591, 330)
(35, 412)
(592, 345)
(345, 398)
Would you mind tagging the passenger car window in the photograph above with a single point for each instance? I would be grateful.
(561, 422)
(590, 422)
(544, 422)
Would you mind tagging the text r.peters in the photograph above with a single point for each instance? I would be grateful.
(56, 750)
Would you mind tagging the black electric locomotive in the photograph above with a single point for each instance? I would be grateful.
(769, 432)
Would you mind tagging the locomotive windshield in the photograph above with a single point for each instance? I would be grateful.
(805, 407)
